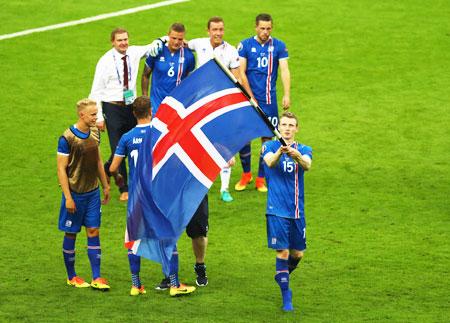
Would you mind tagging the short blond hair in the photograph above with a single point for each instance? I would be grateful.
(290, 115)
(84, 103)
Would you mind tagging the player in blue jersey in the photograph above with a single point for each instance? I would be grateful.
(172, 64)
(129, 147)
(79, 167)
(260, 57)
(286, 226)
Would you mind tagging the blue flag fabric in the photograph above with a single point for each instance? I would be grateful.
(198, 128)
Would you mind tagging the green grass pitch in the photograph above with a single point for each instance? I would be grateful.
(371, 84)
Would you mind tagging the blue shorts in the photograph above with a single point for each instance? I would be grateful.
(88, 212)
(271, 110)
(286, 233)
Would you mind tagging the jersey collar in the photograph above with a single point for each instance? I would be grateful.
(142, 125)
(268, 40)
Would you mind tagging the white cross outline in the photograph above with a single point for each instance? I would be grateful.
(196, 131)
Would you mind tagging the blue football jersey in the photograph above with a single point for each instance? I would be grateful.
(262, 66)
(167, 72)
(129, 145)
(285, 197)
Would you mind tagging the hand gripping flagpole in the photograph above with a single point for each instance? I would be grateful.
(252, 102)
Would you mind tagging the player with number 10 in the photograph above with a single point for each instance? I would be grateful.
(260, 56)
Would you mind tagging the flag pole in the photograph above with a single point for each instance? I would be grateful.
(252, 102)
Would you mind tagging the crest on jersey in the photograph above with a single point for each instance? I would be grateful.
(263, 149)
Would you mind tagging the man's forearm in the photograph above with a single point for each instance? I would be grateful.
(303, 160)
(64, 183)
(272, 159)
(144, 84)
(101, 174)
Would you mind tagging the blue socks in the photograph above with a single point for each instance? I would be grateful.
(261, 166)
(245, 154)
(282, 278)
(94, 254)
(287, 300)
(135, 268)
(69, 256)
(282, 275)
(173, 274)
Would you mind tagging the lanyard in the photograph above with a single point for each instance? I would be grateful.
(117, 70)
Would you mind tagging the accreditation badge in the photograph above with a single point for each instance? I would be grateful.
(128, 97)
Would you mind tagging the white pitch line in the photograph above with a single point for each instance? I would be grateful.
(91, 19)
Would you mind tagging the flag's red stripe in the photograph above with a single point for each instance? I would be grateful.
(180, 128)
(200, 156)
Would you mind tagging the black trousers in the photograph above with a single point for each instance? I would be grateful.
(119, 120)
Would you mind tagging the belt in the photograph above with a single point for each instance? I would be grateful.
(119, 103)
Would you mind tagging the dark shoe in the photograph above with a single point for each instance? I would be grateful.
(164, 284)
(202, 279)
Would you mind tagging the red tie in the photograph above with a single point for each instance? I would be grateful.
(125, 72)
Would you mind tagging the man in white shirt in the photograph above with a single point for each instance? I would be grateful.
(114, 90)
(206, 49)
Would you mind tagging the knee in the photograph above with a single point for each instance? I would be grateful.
(283, 254)
(92, 232)
(72, 236)
(296, 254)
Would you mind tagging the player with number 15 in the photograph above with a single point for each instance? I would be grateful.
(285, 167)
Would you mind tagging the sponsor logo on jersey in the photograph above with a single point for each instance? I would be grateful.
(181, 60)
(162, 59)
(270, 49)
(253, 50)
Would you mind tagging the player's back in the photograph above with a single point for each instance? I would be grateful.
(129, 146)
